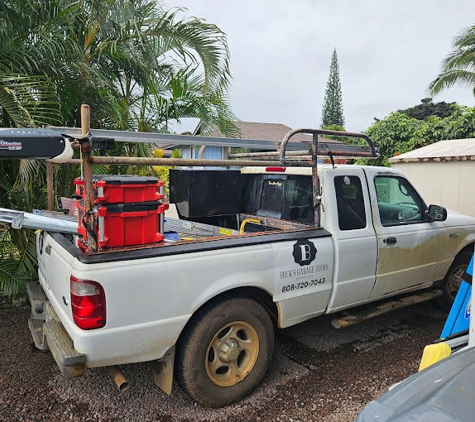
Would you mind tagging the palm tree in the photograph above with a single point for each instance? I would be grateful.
(27, 96)
(459, 65)
(118, 56)
(137, 65)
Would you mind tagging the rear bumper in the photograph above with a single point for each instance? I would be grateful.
(49, 334)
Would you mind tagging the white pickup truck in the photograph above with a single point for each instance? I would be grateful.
(205, 305)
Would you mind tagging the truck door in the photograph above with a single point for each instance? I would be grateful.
(410, 247)
(355, 247)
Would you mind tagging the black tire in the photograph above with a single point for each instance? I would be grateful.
(225, 352)
(452, 280)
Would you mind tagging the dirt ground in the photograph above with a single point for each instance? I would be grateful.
(318, 374)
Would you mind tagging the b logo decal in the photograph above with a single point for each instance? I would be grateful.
(304, 252)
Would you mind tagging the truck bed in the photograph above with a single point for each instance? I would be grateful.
(189, 236)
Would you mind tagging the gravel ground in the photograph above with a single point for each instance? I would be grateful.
(318, 374)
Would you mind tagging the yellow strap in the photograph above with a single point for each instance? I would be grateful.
(248, 220)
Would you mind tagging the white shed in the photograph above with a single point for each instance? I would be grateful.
(443, 173)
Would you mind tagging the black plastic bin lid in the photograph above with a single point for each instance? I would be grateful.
(124, 179)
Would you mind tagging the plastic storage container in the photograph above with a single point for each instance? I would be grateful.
(125, 224)
(111, 189)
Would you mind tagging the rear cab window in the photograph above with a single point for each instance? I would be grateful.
(287, 197)
(350, 203)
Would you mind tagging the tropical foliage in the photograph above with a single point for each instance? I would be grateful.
(459, 65)
(137, 65)
(399, 133)
(17, 247)
(428, 108)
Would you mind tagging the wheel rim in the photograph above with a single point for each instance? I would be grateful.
(232, 353)
(455, 280)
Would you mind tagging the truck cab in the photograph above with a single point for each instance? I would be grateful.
(387, 240)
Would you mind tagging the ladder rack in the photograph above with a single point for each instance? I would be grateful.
(41, 143)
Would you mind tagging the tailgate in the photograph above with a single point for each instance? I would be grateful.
(54, 271)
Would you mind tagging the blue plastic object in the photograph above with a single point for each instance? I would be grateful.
(173, 236)
(458, 319)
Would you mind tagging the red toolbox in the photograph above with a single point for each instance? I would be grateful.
(124, 224)
(112, 189)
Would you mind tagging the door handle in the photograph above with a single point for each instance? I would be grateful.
(390, 241)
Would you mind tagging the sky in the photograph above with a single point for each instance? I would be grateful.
(388, 53)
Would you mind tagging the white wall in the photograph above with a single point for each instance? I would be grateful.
(450, 184)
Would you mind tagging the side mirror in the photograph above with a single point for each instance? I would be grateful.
(436, 213)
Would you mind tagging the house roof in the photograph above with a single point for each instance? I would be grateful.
(260, 132)
(447, 150)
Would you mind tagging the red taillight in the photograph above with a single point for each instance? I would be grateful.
(88, 303)
(279, 169)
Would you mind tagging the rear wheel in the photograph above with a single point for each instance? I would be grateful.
(453, 279)
(225, 352)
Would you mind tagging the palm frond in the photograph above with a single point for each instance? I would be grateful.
(29, 100)
(459, 64)
(17, 266)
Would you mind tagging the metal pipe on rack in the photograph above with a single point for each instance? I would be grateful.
(86, 147)
(49, 184)
(316, 181)
(184, 162)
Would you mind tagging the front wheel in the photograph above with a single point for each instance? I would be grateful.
(225, 352)
(453, 279)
